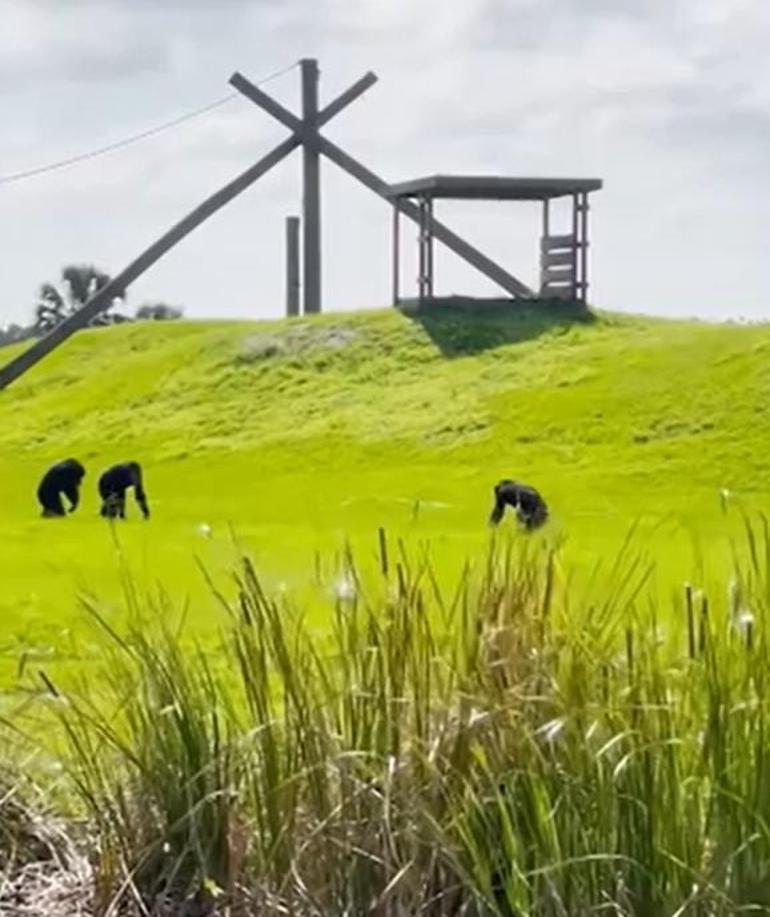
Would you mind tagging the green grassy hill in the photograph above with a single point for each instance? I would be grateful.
(290, 437)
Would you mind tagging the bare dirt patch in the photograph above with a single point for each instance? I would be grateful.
(294, 339)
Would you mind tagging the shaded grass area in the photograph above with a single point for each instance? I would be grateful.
(459, 327)
(510, 745)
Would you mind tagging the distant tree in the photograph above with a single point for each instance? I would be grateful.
(158, 312)
(78, 284)
(12, 333)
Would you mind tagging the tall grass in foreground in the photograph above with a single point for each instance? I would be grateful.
(510, 749)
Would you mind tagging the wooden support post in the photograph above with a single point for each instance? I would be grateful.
(292, 266)
(396, 255)
(429, 246)
(421, 256)
(311, 200)
(576, 243)
(545, 233)
(584, 248)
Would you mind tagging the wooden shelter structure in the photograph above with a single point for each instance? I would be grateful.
(305, 132)
(563, 258)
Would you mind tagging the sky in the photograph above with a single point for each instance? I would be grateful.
(668, 101)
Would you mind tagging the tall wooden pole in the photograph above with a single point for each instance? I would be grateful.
(311, 203)
(292, 266)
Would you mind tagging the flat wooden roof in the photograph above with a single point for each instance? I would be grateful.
(492, 187)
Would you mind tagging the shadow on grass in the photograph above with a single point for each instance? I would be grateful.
(462, 326)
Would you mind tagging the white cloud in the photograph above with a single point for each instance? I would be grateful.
(45, 42)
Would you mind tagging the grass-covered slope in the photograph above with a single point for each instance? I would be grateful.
(293, 436)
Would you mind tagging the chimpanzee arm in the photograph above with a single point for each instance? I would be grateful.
(139, 494)
(71, 492)
(497, 511)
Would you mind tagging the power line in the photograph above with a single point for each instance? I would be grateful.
(134, 138)
(111, 147)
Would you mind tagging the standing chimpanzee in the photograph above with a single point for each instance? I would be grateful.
(61, 478)
(531, 510)
(113, 485)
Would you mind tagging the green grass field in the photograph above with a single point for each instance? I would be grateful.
(289, 438)
(542, 741)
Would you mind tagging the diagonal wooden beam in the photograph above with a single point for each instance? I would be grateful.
(456, 243)
(345, 98)
(103, 298)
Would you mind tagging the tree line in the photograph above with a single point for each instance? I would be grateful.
(77, 284)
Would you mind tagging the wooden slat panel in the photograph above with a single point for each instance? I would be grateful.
(557, 286)
(555, 258)
(549, 275)
(562, 277)
(559, 270)
(550, 243)
(550, 292)
(584, 248)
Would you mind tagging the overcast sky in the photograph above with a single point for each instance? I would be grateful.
(667, 100)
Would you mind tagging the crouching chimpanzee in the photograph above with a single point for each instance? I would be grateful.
(113, 485)
(61, 478)
(531, 510)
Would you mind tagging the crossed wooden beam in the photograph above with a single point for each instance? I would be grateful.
(305, 133)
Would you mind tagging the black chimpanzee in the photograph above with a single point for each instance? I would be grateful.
(531, 510)
(61, 478)
(113, 485)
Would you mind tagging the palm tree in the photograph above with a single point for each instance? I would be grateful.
(78, 284)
